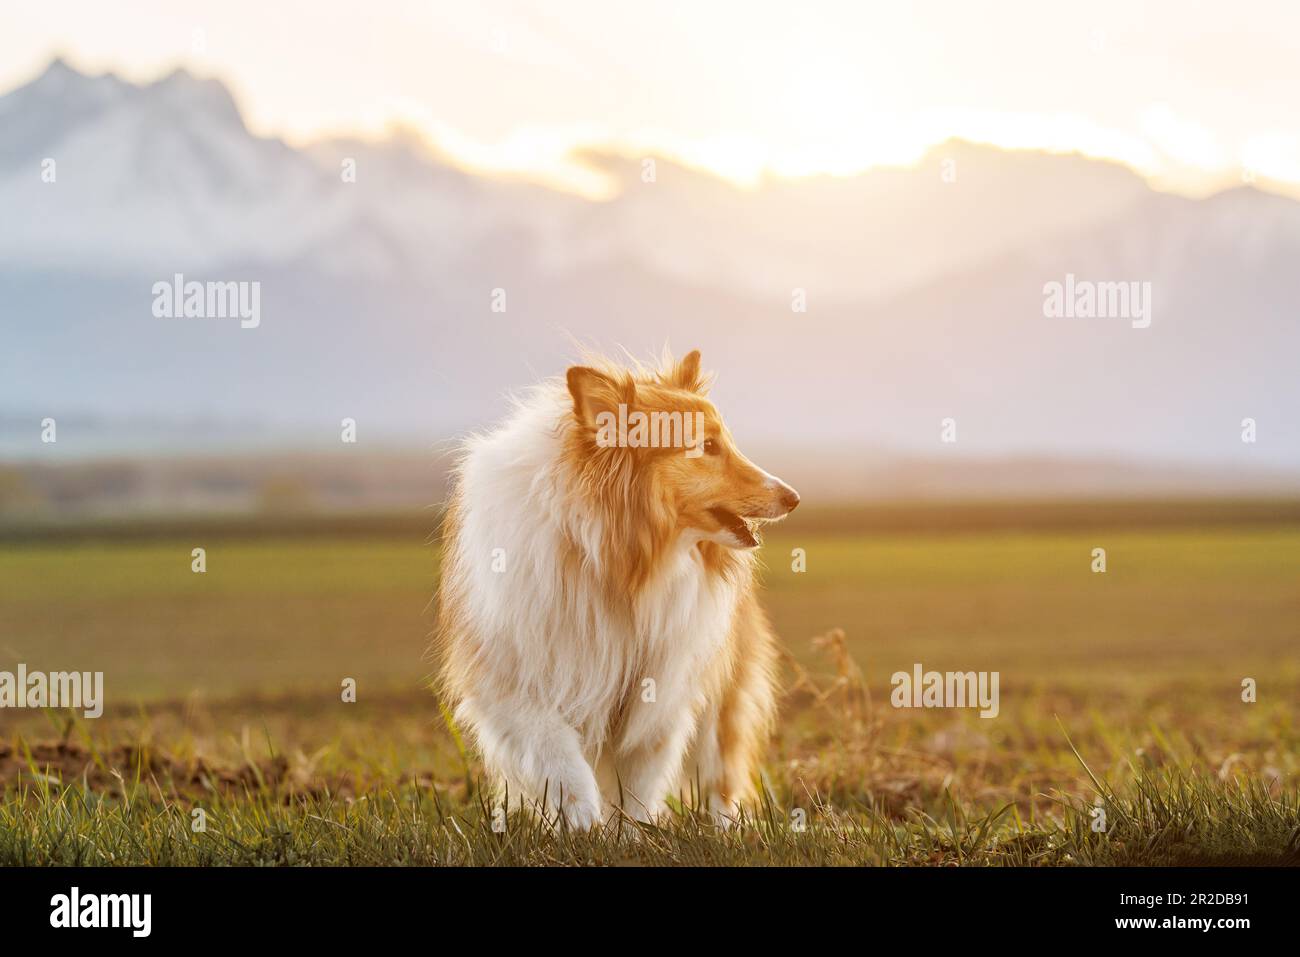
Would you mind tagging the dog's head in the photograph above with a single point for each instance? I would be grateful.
(656, 440)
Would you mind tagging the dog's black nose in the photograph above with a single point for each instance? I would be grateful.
(789, 498)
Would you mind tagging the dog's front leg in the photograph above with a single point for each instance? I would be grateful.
(649, 770)
(536, 753)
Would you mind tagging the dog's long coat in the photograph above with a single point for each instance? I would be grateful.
(599, 630)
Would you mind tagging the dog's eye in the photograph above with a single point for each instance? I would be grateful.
(710, 447)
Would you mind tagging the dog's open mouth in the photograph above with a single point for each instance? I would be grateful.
(745, 530)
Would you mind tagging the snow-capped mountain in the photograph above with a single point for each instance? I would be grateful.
(924, 289)
(106, 176)
(166, 176)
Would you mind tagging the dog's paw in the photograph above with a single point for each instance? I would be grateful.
(582, 814)
(725, 814)
(580, 802)
(654, 813)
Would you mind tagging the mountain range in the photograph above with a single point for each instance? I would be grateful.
(843, 314)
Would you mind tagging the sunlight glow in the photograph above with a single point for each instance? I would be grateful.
(743, 91)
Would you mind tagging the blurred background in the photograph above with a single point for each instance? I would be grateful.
(853, 215)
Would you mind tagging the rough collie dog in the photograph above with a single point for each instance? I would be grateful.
(599, 632)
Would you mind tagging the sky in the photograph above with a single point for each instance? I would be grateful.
(1196, 96)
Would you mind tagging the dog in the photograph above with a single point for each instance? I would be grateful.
(599, 631)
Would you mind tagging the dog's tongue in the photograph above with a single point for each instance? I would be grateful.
(736, 525)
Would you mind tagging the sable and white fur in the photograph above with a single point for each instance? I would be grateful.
(599, 632)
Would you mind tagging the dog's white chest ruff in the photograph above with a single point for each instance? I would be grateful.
(553, 629)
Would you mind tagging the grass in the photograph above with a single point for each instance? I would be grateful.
(1124, 688)
(1169, 819)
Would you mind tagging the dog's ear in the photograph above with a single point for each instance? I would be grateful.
(686, 374)
(593, 393)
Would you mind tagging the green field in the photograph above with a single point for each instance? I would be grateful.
(223, 692)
